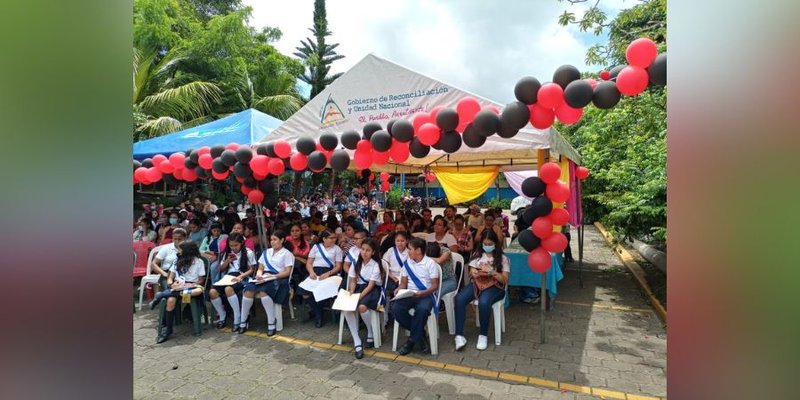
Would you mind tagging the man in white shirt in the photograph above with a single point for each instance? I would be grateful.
(420, 273)
(164, 261)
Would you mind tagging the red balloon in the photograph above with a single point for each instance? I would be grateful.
(555, 243)
(632, 80)
(559, 216)
(568, 115)
(246, 190)
(371, 176)
(178, 174)
(205, 161)
(232, 146)
(541, 118)
(204, 150)
(260, 177)
(385, 186)
(153, 174)
(255, 196)
(429, 134)
(582, 173)
(430, 177)
(539, 260)
(384, 176)
(282, 149)
(140, 174)
(260, 164)
(364, 145)
(158, 158)
(380, 157)
(641, 52)
(466, 109)
(550, 95)
(165, 167)
(557, 192)
(220, 177)
(399, 151)
(276, 166)
(422, 118)
(604, 75)
(542, 227)
(189, 175)
(592, 82)
(177, 159)
(298, 161)
(550, 172)
(362, 159)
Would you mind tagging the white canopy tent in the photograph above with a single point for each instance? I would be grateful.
(379, 90)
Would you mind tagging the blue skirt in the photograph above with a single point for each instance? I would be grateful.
(277, 290)
(237, 288)
(371, 299)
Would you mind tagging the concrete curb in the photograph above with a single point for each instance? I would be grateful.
(637, 271)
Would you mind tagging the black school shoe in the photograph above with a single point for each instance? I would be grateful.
(426, 347)
(407, 348)
(162, 338)
(359, 352)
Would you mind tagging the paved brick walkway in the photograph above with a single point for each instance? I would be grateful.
(602, 336)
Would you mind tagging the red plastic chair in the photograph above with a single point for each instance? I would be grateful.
(142, 250)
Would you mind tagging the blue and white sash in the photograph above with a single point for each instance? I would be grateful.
(272, 269)
(419, 285)
(321, 251)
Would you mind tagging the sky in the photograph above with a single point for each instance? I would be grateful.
(483, 47)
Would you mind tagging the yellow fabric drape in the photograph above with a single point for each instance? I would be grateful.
(465, 183)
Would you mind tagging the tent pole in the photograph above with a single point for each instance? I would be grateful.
(580, 237)
(333, 178)
(260, 223)
(497, 186)
(543, 297)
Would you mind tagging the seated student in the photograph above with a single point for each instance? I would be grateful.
(196, 231)
(385, 228)
(489, 225)
(143, 232)
(300, 247)
(277, 261)
(351, 255)
(189, 268)
(489, 270)
(395, 258)
(346, 238)
(308, 234)
(210, 249)
(324, 260)
(164, 261)
(238, 227)
(365, 277)
(420, 273)
(388, 242)
(240, 262)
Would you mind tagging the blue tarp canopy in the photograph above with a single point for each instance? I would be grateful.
(246, 127)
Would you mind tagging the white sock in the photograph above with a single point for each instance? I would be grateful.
(247, 302)
(234, 301)
(269, 308)
(366, 319)
(352, 323)
(217, 303)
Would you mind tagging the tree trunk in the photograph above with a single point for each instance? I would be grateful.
(651, 254)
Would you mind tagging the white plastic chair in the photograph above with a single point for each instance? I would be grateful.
(149, 277)
(449, 299)
(499, 316)
(374, 317)
(433, 325)
(279, 308)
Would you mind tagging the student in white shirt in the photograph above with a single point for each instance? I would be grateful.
(164, 261)
(240, 262)
(365, 276)
(189, 269)
(394, 258)
(420, 273)
(324, 260)
(277, 261)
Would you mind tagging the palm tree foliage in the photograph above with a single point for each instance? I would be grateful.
(317, 55)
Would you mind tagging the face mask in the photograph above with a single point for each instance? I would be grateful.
(488, 249)
(173, 221)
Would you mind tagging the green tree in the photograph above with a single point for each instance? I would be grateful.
(317, 55)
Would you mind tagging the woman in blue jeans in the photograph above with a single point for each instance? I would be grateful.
(489, 269)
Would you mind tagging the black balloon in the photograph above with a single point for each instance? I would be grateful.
(450, 141)
(244, 154)
(136, 164)
(328, 141)
(218, 166)
(304, 145)
(447, 119)
(270, 202)
(271, 149)
(578, 93)
(350, 139)
(370, 128)
(392, 179)
(486, 122)
(506, 130)
(566, 74)
(438, 144)
(515, 115)
(389, 125)
(472, 138)
(365, 173)
(417, 149)
(528, 240)
(189, 163)
(526, 90)
(267, 186)
(533, 186)
(658, 70)
(147, 163)
(381, 140)
(540, 207)
(169, 179)
(606, 95)
(262, 149)
(249, 182)
(228, 157)
(242, 170)
(317, 160)
(340, 160)
(615, 71)
(194, 155)
(403, 131)
(217, 150)
(201, 173)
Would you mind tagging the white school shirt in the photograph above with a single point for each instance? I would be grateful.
(489, 260)
(425, 270)
(195, 271)
(281, 261)
(448, 239)
(233, 267)
(371, 271)
(354, 252)
(333, 253)
(168, 256)
(394, 266)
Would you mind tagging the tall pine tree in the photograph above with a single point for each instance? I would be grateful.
(318, 55)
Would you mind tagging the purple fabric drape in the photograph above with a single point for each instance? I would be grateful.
(515, 178)
(574, 203)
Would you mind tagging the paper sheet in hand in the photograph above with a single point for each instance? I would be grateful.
(226, 280)
(346, 301)
(263, 278)
(403, 293)
(322, 289)
(185, 285)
